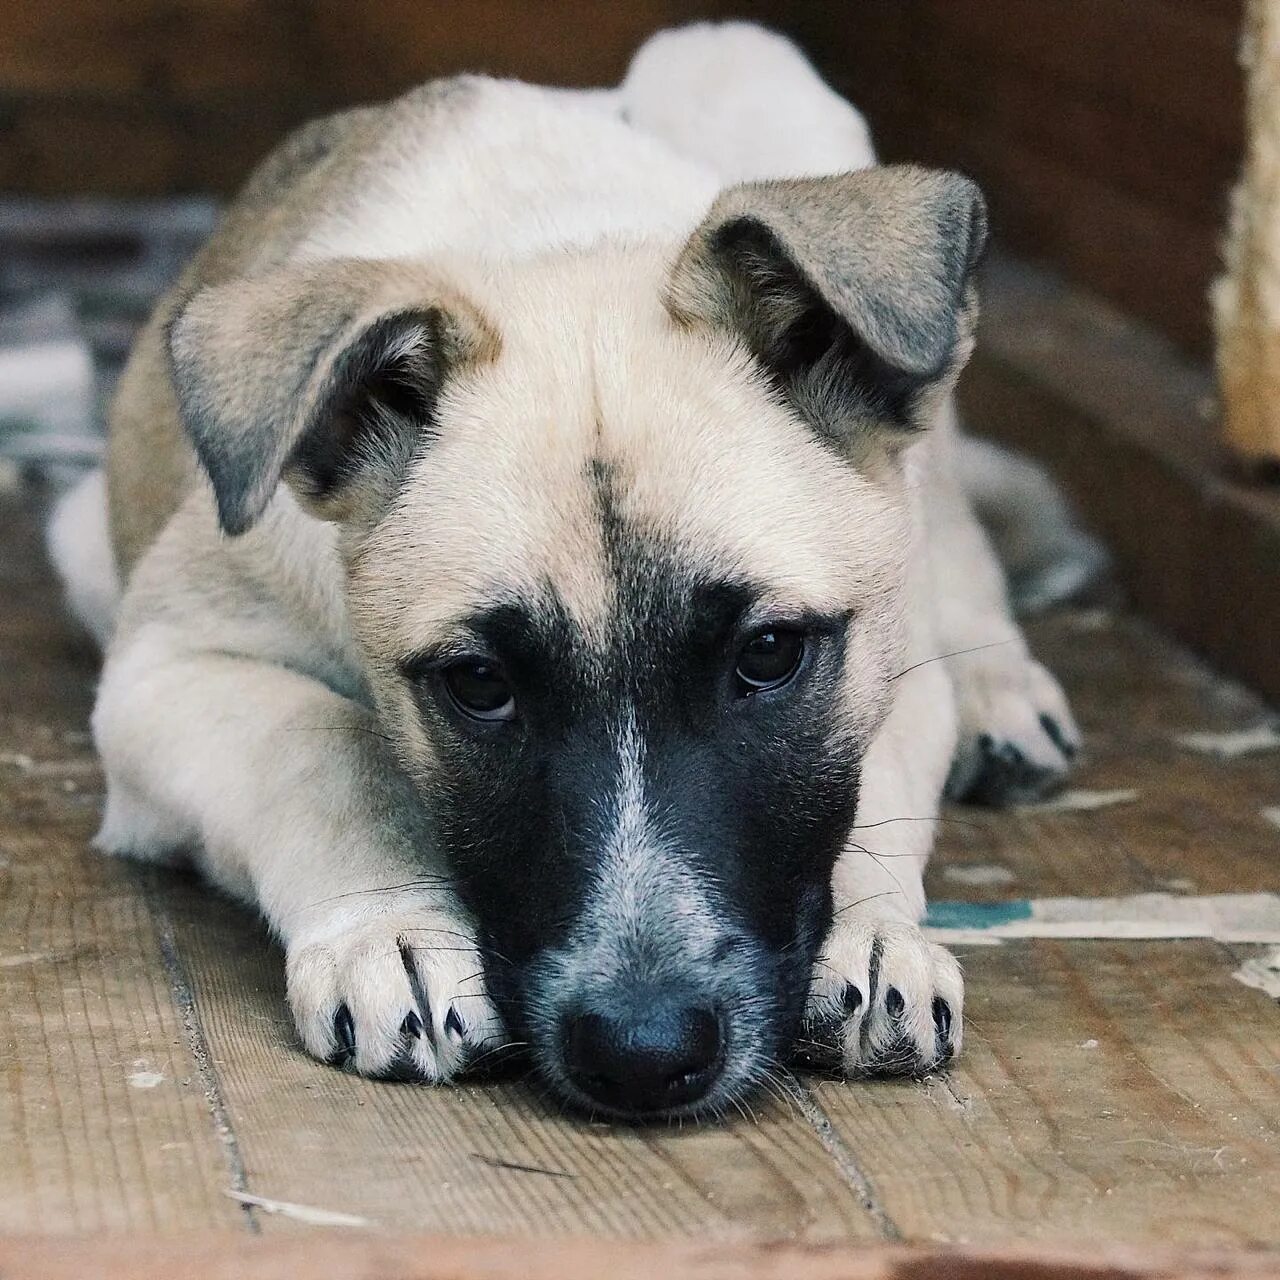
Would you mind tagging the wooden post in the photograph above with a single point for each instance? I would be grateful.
(1246, 300)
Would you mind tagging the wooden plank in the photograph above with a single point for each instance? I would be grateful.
(1127, 426)
(103, 1117)
(1197, 823)
(434, 1258)
(1107, 1091)
(412, 1158)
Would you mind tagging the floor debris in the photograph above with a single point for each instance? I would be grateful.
(1262, 973)
(1079, 800)
(1233, 743)
(979, 874)
(299, 1212)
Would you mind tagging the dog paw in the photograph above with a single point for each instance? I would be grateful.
(398, 997)
(884, 1001)
(1017, 738)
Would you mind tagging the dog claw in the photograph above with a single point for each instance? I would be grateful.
(411, 1026)
(454, 1026)
(893, 1002)
(942, 1018)
(344, 1028)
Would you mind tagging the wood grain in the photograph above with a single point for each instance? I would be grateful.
(1196, 824)
(103, 1118)
(1106, 1092)
(437, 1258)
(413, 1158)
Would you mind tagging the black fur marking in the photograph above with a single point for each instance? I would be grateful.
(752, 797)
(1006, 776)
(793, 339)
(377, 406)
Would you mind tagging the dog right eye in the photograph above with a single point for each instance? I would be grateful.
(769, 660)
(479, 690)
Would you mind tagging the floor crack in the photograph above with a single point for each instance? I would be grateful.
(836, 1147)
(184, 1000)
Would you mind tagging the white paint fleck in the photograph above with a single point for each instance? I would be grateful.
(298, 1212)
(145, 1079)
(1233, 743)
(980, 874)
(23, 958)
(1078, 800)
(1272, 815)
(1262, 973)
(18, 759)
(1091, 620)
(1088, 1044)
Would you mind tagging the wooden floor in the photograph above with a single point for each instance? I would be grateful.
(1109, 1091)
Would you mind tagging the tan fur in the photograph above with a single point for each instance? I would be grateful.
(150, 463)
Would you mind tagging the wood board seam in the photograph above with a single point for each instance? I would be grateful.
(185, 1006)
(846, 1162)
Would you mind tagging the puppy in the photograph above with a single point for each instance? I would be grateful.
(538, 523)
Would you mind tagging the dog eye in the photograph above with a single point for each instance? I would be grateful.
(769, 661)
(479, 690)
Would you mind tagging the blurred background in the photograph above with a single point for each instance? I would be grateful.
(1107, 136)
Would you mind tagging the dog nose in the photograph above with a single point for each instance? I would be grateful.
(664, 1055)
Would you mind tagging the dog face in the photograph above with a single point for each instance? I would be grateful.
(625, 551)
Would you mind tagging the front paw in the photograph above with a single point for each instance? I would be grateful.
(1018, 738)
(398, 996)
(884, 1001)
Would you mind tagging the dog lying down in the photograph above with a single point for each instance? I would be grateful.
(539, 516)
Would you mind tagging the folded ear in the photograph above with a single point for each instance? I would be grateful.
(325, 376)
(853, 292)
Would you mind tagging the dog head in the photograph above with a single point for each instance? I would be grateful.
(624, 536)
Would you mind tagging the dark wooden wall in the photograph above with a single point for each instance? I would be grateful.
(136, 97)
(1106, 131)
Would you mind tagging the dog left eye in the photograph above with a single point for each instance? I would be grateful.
(769, 660)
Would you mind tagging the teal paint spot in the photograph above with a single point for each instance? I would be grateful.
(976, 915)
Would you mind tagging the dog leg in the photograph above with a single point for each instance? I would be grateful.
(288, 797)
(1017, 736)
(885, 1000)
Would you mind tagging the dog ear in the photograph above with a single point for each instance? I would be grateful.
(853, 292)
(325, 376)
